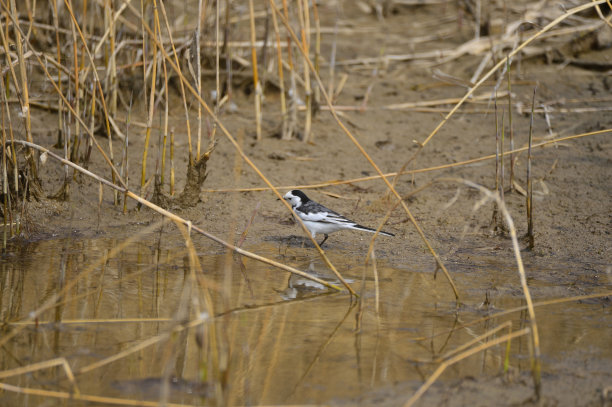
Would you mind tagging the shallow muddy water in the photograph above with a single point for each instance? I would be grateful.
(274, 339)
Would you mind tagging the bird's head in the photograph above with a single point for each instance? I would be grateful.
(296, 198)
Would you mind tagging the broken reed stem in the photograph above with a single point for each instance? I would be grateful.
(112, 62)
(172, 162)
(77, 97)
(154, 43)
(281, 78)
(256, 84)
(198, 79)
(125, 161)
(227, 48)
(496, 150)
(60, 125)
(304, 20)
(332, 57)
(376, 285)
(529, 195)
(217, 65)
(317, 56)
(25, 98)
(501, 156)
(5, 203)
(163, 157)
(166, 119)
(182, 86)
(291, 118)
(92, 126)
(508, 65)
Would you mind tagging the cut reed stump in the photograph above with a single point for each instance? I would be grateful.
(196, 175)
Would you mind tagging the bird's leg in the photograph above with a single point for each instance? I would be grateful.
(323, 241)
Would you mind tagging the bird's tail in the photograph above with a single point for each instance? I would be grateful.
(367, 229)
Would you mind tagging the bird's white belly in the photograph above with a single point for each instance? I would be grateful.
(319, 227)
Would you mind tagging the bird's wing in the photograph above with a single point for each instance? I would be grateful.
(325, 217)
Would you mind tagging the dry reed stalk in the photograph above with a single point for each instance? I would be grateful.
(332, 58)
(529, 195)
(100, 196)
(258, 93)
(54, 8)
(317, 55)
(494, 218)
(304, 23)
(535, 337)
(376, 284)
(217, 63)
(8, 205)
(164, 133)
(34, 367)
(94, 321)
(431, 379)
(163, 157)
(227, 49)
(25, 96)
(143, 49)
(77, 98)
(151, 101)
(172, 162)
(5, 203)
(508, 65)
(125, 168)
(439, 263)
(290, 123)
(69, 396)
(409, 172)
(183, 95)
(506, 325)
(281, 77)
(112, 85)
(501, 157)
(92, 126)
(483, 97)
(198, 72)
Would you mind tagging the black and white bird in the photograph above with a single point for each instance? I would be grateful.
(319, 219)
